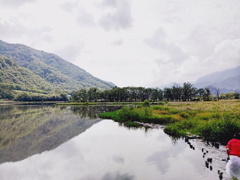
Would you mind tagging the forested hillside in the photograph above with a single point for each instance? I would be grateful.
(53, 69)
(21, 78)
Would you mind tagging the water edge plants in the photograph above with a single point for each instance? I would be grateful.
(213, 121)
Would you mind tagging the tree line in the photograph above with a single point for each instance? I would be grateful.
(35, 97)
(177, 92)
(185, 92)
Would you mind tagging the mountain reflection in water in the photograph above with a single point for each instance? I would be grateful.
(29, 130)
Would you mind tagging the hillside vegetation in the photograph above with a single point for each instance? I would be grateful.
(21, 84)
(53, 69)
(21, 78)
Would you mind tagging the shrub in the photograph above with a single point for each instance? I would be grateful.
(128, 114)
(219, 130)
(164, 119)
(204, 115)
(147, 112)
(164, 112)
(176, 117)
(184, 115)
(146, 103)
(110, 115)
(174, 111)
(160, 112)
(189, 125)
(161, 103)
(160, 108)
(173, 130)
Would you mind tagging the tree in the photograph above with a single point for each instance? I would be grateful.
(176, 92)
(237, 94)
(168, 94)
(155, 95)
(93, 94)
(160, 95)
(187, 91)
(139, 94)
(63, 97)
(227, 95)
(217, 92)
(80, 95)
(207, 94)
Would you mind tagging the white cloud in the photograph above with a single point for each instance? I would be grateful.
(226, 54)
(15, 3)
(116, 15)
(85, 19)
(112, 3)
(71, 51)
(117, 43)
(159, 42)
(68, 6)
(130, 42)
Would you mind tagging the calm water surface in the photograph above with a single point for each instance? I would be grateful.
(59, 143)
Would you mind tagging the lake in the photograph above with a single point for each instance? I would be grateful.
(62, 142)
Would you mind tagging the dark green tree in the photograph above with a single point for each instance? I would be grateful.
(187, 91)
(177, 92)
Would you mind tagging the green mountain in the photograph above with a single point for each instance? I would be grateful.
(50, 67)
(21, 78)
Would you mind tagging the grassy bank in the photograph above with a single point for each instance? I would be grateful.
(213, 121)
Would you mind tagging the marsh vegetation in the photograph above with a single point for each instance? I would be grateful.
(212, 120)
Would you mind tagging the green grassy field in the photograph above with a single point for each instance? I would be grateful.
(212, 120)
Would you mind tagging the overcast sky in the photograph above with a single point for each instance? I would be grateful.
(130, 42)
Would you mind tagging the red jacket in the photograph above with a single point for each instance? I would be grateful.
(233, 147)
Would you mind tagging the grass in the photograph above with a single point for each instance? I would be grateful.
(111, 115)
(213, 121)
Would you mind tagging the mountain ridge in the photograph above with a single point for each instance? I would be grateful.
(228, 80)
(52, 68)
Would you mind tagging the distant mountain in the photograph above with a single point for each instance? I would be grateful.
(50, 67)
(227, 80)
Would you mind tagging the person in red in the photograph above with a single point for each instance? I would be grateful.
(233, 151)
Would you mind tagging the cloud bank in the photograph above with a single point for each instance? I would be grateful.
(130, 42)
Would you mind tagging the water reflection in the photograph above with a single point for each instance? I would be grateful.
(107, 151)
(101, 151)
(92, 111)
(28, 130)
